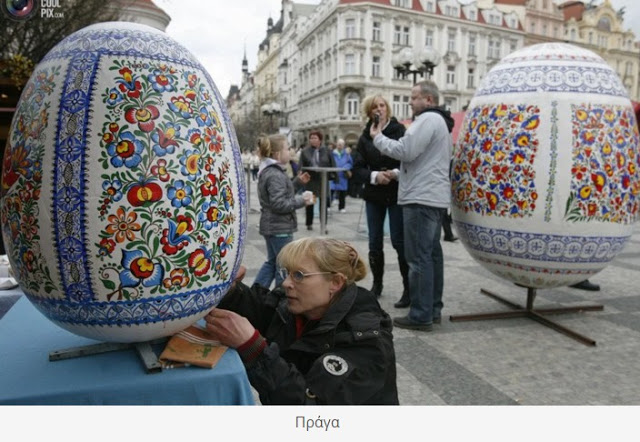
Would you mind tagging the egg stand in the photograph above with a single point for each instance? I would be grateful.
(144, 350)
(531, 313)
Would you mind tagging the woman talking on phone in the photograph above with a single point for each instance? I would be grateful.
(379, 173)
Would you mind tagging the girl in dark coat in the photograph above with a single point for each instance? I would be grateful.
(379, 173)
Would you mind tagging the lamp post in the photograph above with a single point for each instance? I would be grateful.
(422, 62)
(271, 110)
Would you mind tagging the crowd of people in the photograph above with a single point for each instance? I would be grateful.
(317, 337)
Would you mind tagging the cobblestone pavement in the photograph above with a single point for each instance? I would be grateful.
(498, 362)
(506, 361)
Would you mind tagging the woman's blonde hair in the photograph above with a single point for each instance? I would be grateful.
(330, 255)
(368, 106)
(269, 145)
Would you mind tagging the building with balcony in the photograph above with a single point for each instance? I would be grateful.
(346, 48)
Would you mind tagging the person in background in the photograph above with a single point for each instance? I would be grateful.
(339, 188)
(379, 173)
(254, 163)
(424, 193)
(278, 203)
(319, 339)
(316, 155)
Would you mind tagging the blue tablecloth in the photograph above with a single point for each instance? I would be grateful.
(115, 378)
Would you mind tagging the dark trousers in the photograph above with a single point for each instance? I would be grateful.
(309, 213)
(341, 196)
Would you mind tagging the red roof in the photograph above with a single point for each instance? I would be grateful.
(416, 6)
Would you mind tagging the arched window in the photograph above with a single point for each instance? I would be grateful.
(353, 103)
(604, 24)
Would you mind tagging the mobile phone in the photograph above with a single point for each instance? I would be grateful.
(376, 119)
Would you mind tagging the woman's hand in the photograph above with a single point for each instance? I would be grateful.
(228, 327)
(374, 130)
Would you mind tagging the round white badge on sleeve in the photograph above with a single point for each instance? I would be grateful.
(335, 365)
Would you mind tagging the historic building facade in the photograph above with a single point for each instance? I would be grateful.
(318, 62)
(346, 50)
(600, 28)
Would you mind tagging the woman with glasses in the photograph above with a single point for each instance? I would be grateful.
(317, 339)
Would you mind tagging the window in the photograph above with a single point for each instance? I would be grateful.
(397, 31)
(493, 48)
(513, 22)
(628, 68)
(544, 29)
(449, 103)
(472, 44)
(376, 31)
(532, 26)
(396, 105)
(405, 106)
(555, 31)
(403, 3)
(350, 28)
(375, 66)
(513, 45)
(349, 64)
(472, 15)
(405, 35)
(603, 41)
(590, 37)
(451, 43)
(451, 75)
(471, 77)
(451, 11)
(430, 7)
(352, 103)
(573, 34)
(428, 41)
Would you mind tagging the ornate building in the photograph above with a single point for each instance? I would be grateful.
(600, 28)
(318, 62)
(542, 20)
(345, 54)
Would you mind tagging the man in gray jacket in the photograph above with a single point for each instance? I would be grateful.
(424, 194)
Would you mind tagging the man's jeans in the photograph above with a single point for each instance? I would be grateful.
(269, 270)
(423, 252)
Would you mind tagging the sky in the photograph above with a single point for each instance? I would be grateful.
(218, 31)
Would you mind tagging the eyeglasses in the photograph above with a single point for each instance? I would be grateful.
(298, 275)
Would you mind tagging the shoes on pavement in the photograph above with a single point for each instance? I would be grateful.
(343, 211)
(437, 320)
(402, 303)
(586, 285)
(452, 239)
(408, 323)
(309, 227)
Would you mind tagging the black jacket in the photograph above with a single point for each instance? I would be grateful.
(444, 113)
(325, 159)
(345, 358)
(368, 159)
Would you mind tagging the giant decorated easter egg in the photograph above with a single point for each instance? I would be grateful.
(546, 172)
(123, 205)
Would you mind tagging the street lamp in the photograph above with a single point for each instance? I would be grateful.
(271, 110)
(422, 62)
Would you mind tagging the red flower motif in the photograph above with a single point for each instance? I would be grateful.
(209, 187)
(144, 116)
